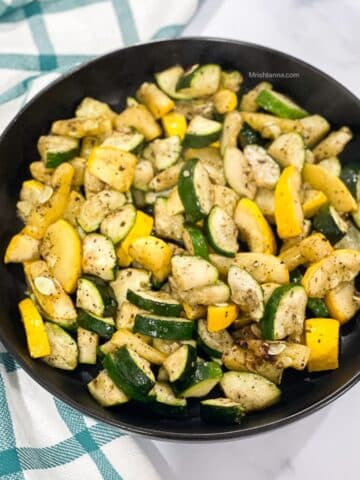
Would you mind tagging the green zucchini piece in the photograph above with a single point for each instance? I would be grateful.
(204, 378)
(219, 292)
(192, 272)
(99, 257)
(167, 81)
(163, 152)
(284, 313)
(349, 175)
(289, 149)
(127, 139)
(200, 81)
(160, 303)
(56, 149)
(64, 350)
(87, 344)
(253, 391)
(194, 190)
(318, 307)
(249, 136)
(165, 403)
(222, 411)
(213, 343)
(95, 208)
(181, 364)
(130, 373)
(279, 105)
(195, 242)
(168, 328)
(104, 327)
(118, 224)
(328, 222)
(221, 232)
(105, 392)
(201, 132)
(96, 296)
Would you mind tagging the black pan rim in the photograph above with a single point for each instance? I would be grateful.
(160, 433)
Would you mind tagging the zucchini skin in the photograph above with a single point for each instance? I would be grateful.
(200, 141)
(163, 328)
(316, 306)
(198, 242)
(157, 307)
(90, 322)
(324, 223)
(202, 372)
(127, 375)
(349, 175)
(249, 136)
(107, 294)
(187, 192)
(221, 415)
(210, 237)
(54, 159)
(268, 101)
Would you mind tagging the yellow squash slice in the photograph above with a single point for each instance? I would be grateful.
(153, 254)
(221, 316)
(332, 187)
(113, 166)
(289, 216)
(36, 336)
(342, 302)
(44, 214)
(263, 267)
(61, 248)
(174, 123)
(254, 228)
(341, 266)
(322, 337)
(22, 248)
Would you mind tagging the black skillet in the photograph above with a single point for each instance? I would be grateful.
(111, 78)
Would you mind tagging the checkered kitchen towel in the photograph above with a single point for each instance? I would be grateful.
(40, 437)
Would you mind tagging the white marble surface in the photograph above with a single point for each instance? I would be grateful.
(325, 33)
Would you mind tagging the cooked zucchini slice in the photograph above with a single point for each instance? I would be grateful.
(194, 189)
(249, 136)
(328, 222)
(97, 207)
(99, 257)
(181, 364)
(342, 302)
(221, 232)
(279, 105)
(238, 173)
(248, 100)
(118, 224)
(103, 326)
(168, 328)
(129, 278)
(96, 296)
(159, 303)
(166, 179)
(195, 242)
(225, 198)
(200, 81)
(87, 344)
(105, 392)
(64, 350)
(213, 343)
(266, 171)
(126, 138)
(208, 295)
(288, 149)
(56, 149)
(167, 81)
(201, 132)
(202, 381)
(92, 108)
(168, 225)
(192, 272)
(263, 267)
(222, 411)
(163, 152)
(130, 372)
(252, 391)
(350, 177)
(246, 292)
(284, 313)
(165, 403)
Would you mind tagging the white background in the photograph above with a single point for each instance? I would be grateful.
(325, 33)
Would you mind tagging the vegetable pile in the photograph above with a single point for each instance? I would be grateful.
(201, 238)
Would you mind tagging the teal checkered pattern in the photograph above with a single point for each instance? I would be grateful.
(41, 437)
